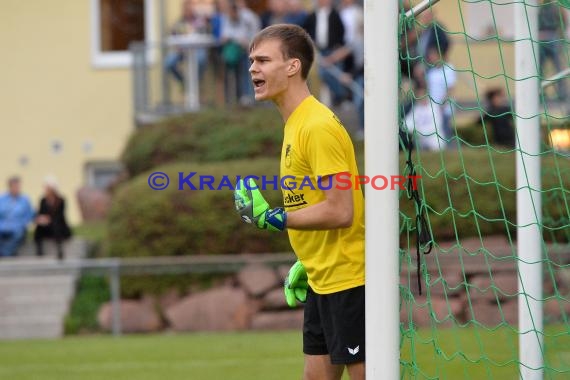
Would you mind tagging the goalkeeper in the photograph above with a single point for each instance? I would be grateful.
(325, 227)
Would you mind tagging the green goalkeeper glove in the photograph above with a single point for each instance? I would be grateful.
(254, 209)
(296, 285)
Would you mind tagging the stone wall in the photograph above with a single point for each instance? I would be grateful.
(471, 282)
(252, 299)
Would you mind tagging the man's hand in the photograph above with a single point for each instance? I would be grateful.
(254, 209)
(296, 285)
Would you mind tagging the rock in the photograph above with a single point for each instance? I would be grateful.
(215, 309)
(503, 287)
(489, 314)
(136, 317)
(283, 271)
(274, 300)
(440, 310)
(449, 284)
(169, 298)
(555, 309)
(94, 203)
(278, 320)
(257, 280)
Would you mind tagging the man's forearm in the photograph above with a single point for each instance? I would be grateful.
(321, 216)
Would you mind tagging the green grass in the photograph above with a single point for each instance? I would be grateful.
(478, 353)
(264, 355)
(92, 231)
(231, 356)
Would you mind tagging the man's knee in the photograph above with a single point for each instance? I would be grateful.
(319, 367)
(356, 371)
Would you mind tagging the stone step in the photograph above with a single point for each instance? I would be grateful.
(33, 304)
(72, 248)
(30, 282)
(56, 308)
(31, 326)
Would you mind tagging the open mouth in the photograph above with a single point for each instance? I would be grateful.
(258, 83)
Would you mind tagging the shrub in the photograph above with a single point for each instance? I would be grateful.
(92, 292)
(210, 135)
(469, 192)
(472, 191)
(144, 222)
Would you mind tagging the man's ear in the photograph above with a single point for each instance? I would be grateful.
(294, 67)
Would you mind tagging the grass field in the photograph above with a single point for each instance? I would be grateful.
(264, 356)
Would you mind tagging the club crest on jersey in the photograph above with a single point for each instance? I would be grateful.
(288, 156)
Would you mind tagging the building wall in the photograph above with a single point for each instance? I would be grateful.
(50, 94)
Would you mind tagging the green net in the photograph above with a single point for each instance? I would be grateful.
(464, 324)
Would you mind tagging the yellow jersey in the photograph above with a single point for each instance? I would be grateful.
(316, 145)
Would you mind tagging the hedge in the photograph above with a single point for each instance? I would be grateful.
(211, 135)
(145, 222)
(472, 191)
(468, 192)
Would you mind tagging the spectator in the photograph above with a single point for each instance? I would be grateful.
(351, 15)
(325, 27)
(189, 23)
(408, 44)
(552, 23)
(499, 116)
(238, 28)
(220, 8)
(440, 79)
(424, 121)
(50, 221)
(296, 12)
(429, 36)
(15, 214)
(215, 57)
(276, 13)
(355, 77)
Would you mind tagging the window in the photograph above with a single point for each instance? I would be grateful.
(114, 25)
(101, 174)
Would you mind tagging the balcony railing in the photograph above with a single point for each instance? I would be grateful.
(154, 92)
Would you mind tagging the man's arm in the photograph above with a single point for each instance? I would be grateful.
(336, 211)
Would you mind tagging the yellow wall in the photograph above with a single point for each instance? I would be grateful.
(50, 91)
(480, 65)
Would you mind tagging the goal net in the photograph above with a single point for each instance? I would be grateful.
(462, 122)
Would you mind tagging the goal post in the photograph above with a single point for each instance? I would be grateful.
(382, 220)
(528, 185)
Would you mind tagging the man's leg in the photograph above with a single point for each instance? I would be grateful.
(356, 371)
(319, 367)
(12, 244)
(39, 247)
(344, 329)
(318, 364)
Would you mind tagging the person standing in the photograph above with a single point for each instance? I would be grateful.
(325, 218)
(189, 23)
(15, 214)
(552, 25)
(325, 27)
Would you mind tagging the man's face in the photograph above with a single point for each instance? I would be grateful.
(269, 70)
(14, 188)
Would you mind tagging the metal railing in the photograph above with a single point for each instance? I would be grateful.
(114, 268)
(152, 93)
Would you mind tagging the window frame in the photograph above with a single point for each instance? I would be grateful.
(117, 59)
(93, 169)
